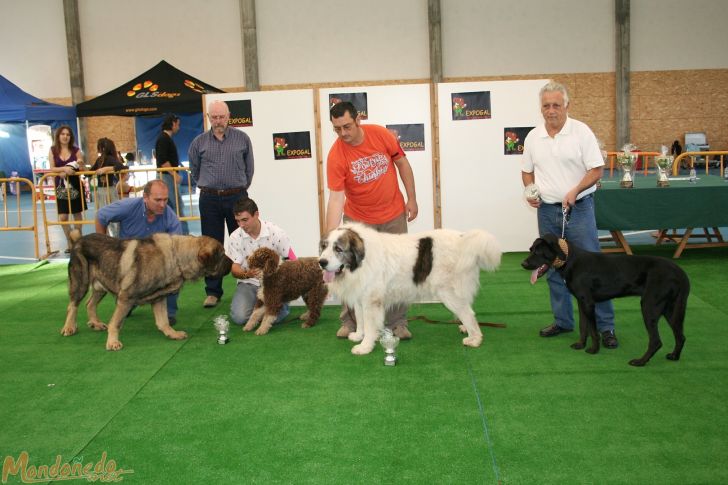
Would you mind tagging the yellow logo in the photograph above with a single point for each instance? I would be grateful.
(104, 470)
(148, 89)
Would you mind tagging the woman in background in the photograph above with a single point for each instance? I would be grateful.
(65, 159)
(105, 165)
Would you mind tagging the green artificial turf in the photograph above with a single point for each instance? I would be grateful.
(295, 406)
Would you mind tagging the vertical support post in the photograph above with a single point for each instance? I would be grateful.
(622, 71)
(249, 32)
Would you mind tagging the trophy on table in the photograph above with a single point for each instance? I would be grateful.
(389, 341)
(664, 166)
(626, 160)
(222, 325)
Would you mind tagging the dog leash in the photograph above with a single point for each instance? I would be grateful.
(482, 324)
(565, 211)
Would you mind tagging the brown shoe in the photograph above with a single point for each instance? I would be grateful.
(402, 332)
(344, 332)
(211, 301)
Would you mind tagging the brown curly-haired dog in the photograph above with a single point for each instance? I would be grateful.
(280, 284)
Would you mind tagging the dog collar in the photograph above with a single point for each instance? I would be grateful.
(558, 263)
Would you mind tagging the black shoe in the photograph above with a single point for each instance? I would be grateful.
(553, 330)
(609, 340)
(172, 321)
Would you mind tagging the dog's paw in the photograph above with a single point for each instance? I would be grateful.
(114, 345)
(343, 332)
(262, 330)
(96, 325)
(304, 316)
(462, 328)
(673, 356)
(356, 336)
(637, 362)
(177, 335)
(307, 325)
(249, 326)
(473, 341)
(578, 345)
(362, 349)
(68, 331)
(592, 350)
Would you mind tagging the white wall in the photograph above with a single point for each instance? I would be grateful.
(488, 38)
(679, 34)
(480, 186)
(121, 39)
(304, 41)
(33, 47)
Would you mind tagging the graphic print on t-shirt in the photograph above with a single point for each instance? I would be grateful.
(370, 168)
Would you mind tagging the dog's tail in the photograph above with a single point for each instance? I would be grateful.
(484, 247)
(78, 270)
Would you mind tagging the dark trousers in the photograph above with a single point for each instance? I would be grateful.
(215, 212)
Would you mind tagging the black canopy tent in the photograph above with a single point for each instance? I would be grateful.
(161, 89)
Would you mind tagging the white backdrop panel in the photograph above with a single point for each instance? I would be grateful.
(480, 186)
(390, 105)
(286, 191)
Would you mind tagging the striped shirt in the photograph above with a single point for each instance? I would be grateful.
(220, 165)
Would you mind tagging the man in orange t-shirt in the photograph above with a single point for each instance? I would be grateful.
(362, 181)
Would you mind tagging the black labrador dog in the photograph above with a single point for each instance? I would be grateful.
(595, 277)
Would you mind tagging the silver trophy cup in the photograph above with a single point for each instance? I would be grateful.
(664, 166)
(389, 341)
(223, 326)
(531, 192)
(626, 160)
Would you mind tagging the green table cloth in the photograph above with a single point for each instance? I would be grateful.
(646, 206)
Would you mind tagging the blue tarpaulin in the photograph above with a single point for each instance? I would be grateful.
(18, 110)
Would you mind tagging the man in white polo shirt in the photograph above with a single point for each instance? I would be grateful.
(562, 157)
(252, 233)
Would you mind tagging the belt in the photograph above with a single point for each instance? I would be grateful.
(207, 190)
(577, 201)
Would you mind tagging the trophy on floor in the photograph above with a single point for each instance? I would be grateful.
(626, 160)
(664, 166)
(222, 325)
(389, 341)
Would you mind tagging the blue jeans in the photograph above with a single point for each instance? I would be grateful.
(175, 200)
(581, 231)
(244, 302)
(172, 304)
(215, 212)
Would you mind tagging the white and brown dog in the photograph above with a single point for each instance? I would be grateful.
(371, 271)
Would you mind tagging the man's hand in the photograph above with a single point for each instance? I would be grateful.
(570, 198)
(411, 210)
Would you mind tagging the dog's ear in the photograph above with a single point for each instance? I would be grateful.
(551, 243)
(356, 250)
(271, 262)
(206, 253)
